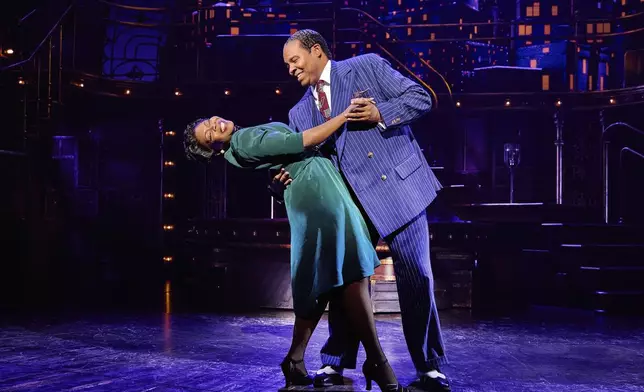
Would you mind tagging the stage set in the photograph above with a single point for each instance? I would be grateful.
(127, 267)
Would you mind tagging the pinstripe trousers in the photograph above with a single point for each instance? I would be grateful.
(409, 247)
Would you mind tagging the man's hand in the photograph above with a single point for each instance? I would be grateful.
(281, 181)
(366, 110)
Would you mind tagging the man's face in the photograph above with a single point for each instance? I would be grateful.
(303, 65)
(213, 131)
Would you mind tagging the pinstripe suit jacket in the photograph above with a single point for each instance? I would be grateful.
(385, 168)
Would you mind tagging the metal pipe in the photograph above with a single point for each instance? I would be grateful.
(605, 174)
(559, 143)
(49, 77)
(60, 65)
(606, 152)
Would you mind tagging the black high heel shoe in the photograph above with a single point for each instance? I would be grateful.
(293, 375)
(374, 372)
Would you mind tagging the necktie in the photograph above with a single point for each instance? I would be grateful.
(324, 103)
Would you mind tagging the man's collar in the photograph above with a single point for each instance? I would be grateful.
(326, 74)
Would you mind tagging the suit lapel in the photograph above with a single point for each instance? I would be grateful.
(341, 92)
(341, 84)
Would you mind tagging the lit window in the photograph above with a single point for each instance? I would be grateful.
(589, 28)
(545, 82)
(546, 50)
(555, 10)
(528, 30)
(584, 66)
(521, 29)
(600, 28)
(528, 11)
(533, 63)
(572, 82)
(590, 83)
(546, 29)
(536, 9)
(601, 83)
(608, 68)
(607, 25)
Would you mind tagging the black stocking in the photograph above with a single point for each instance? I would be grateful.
(357, 307)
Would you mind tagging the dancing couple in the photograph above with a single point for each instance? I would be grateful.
(349, 172)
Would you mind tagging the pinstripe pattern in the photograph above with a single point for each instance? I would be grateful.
(393, 184)
(410, 247)
(397, 170)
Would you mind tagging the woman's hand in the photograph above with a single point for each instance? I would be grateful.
(349, 110)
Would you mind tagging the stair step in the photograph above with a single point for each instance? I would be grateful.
(602, 255)
(553, 233)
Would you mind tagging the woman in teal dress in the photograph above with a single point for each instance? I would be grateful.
(332, 256)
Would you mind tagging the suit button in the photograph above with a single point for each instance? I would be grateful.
(383, 177)
(370, 155)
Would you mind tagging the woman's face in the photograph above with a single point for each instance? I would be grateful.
(213, 131)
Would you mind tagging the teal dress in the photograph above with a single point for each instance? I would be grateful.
(330, 243)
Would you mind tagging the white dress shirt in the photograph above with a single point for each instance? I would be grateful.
(326, 78)
(326, 87)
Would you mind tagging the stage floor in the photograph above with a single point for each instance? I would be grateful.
(543, 350)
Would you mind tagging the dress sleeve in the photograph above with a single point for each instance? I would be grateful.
(264, 146)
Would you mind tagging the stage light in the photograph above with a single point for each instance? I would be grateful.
(8, 51)
(612, 101)
(168, 195)
(168, 163)
(168, 227)
(167, 259)
(227, 92)
(507, 102)
(128, 92)
(170, 133)
(21, 81)
(458, 104)
(177, 92)
(278, 91)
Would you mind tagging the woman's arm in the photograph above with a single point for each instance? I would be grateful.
(314, 136)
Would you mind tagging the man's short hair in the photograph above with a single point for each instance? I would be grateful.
(308, 38)
(194, 150)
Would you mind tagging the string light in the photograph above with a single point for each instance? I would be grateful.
(278, 91)
(168, 259)
(9, 51)
(168, 195)
(458, 104)
(507, 102)
(170, 133)
(558, 103)
(177, 92)
(128, 92)
(227, 92)
(21, 81)
(168, 163)
(612, 101)
(168, 227)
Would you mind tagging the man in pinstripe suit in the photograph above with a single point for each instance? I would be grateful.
(391, 181)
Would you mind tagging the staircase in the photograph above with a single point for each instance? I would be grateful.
(591, 266)
(31, 83)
